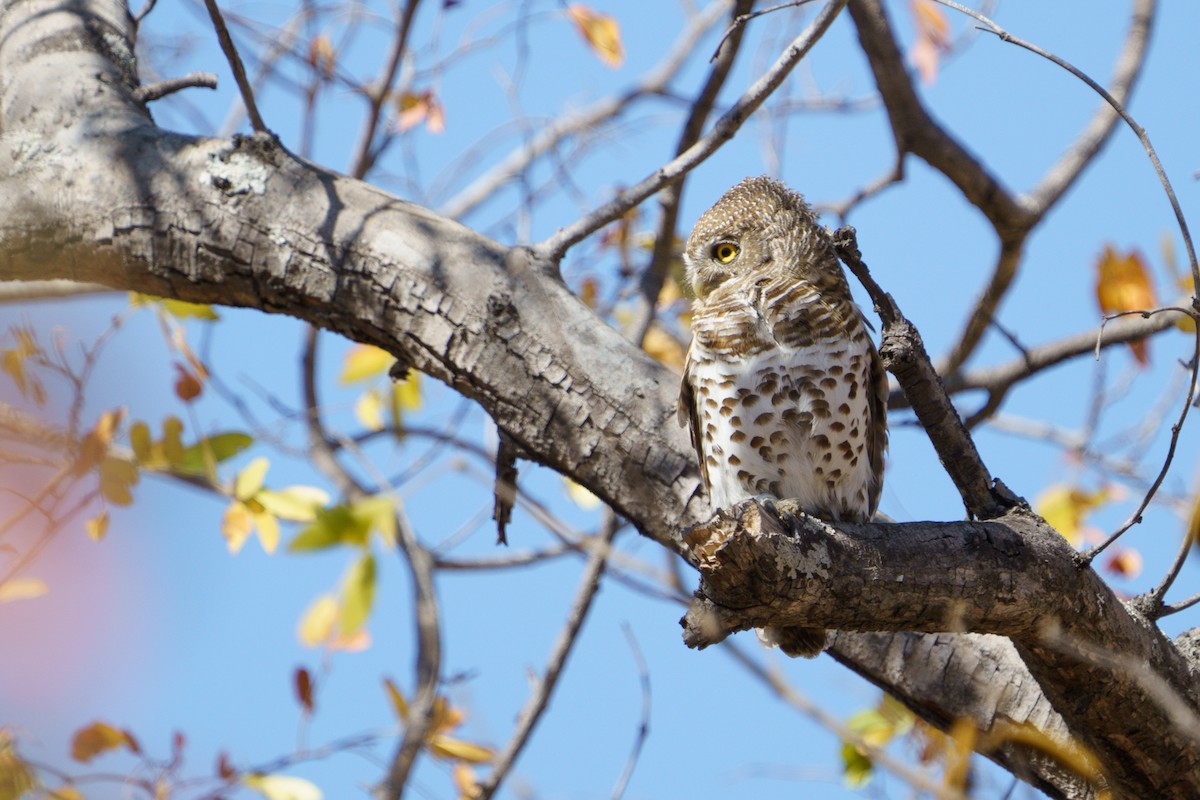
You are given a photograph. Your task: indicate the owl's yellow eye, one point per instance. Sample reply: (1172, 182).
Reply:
(725, 252)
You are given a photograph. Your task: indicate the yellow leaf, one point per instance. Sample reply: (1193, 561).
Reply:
(236, 525)
(664, 348)
(22, 589)
(117, 478)
(963, 734)
(295, 503)
(408, 391)
(399, 706)
(601, 32)
(1064, 508)
(13, 362)
(1123, 284)
(139, 440)
(442, 746)
(250, 480)
(364, 361)
(180, 309)
(268, 531)
(97, 526)
(282, 787)
(100, 737)
(368, 409)
(94, 445)
(64, 792)
(581, 496)
(316, 626)
(172, 442)
(16, 776)
(466, 781)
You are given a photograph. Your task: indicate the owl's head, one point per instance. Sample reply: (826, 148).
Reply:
(756, 226)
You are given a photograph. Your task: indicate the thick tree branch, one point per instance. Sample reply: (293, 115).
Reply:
(1013, 576)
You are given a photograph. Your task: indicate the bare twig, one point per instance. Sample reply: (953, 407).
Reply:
(774, 681)
(552, 249)
(26, 291)
(904, 355)
(532, 712)
(1136, 516)
(1143, 137)
(644, 727)
(365, 156)
(654, 83)
(655, 274)
(235, 64)
(156, 91)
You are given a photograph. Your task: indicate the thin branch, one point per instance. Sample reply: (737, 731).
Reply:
(1083, 151)
(1176, 429)
(556, 246)
(235, 64)
(150, 92)
(774, 681)
(644, 727)
(589, 583)
(26, 291)
(364, 157)
(519, 160)
(1143, 137)
(655, 274)
(904, 355)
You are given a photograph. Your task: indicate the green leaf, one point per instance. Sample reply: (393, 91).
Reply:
(333, 526)
(358, 593)
(220, 447)
(856, 767)
(249, 481)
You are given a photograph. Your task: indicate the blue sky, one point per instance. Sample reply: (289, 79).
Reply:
(159, 629)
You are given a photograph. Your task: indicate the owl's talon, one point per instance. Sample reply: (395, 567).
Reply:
(768, 501)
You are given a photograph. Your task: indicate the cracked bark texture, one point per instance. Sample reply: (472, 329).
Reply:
(92, 191)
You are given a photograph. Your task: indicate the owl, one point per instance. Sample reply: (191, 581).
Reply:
(783, 390)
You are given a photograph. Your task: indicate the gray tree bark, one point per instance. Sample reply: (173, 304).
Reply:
(91, 190)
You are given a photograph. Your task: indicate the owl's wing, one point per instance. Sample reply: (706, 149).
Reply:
(689, 411)
(877, 432)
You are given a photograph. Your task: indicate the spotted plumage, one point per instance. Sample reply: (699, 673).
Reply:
(783, 389)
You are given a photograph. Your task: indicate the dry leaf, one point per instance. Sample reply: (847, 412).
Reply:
(601, 32)
(1123, 284)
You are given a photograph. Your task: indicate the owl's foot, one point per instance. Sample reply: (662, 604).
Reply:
(795, 642)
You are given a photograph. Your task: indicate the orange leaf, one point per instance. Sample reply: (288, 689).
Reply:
(100, 737)
(601, 32)
(1123, 284)
(1125, 563)
(320, 55)
(416, 108)
(933, 38)
(187, 385)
